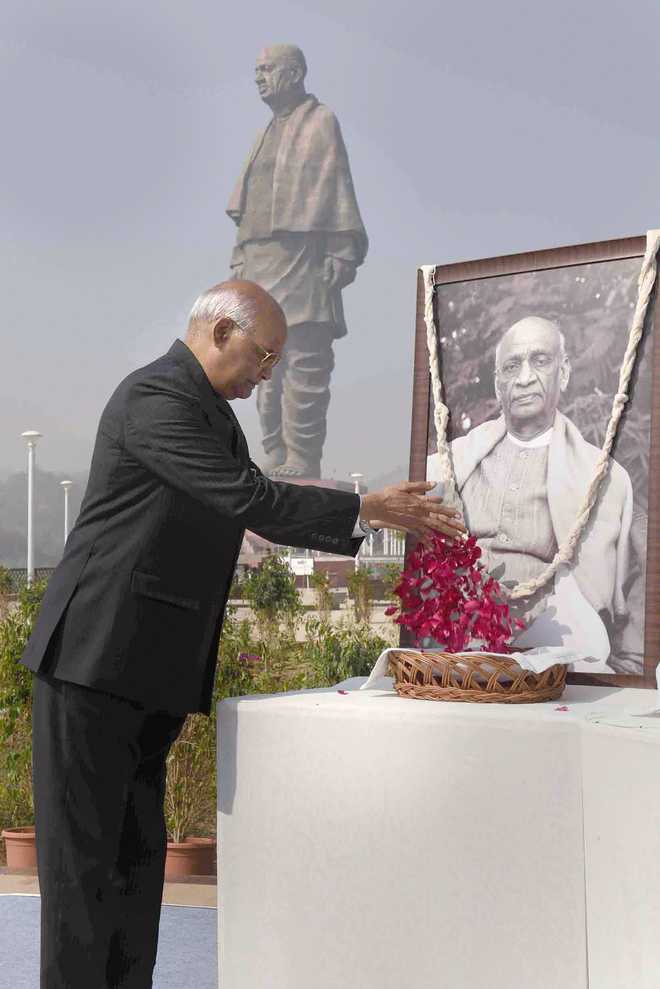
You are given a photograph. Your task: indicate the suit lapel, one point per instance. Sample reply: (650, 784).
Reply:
(239, 447)
(218, 416)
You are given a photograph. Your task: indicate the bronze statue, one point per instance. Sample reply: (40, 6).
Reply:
(301, 237)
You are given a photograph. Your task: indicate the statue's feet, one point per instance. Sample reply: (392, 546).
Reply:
(274, 459)
(295, 469)
(287, 470)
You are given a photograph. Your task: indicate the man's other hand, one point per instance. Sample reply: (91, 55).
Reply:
(408, 507)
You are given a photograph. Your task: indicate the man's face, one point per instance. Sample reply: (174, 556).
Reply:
(530, 374)
(240, 360)
(274, 75)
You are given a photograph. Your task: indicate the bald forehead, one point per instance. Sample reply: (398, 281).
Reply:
(270, 330)
(531, 333)
(269, 325)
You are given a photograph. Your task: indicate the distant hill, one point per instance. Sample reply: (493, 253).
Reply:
(48, 516)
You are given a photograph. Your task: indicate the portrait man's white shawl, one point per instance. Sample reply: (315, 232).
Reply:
(601, 562)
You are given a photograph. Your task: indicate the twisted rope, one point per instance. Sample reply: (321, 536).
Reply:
(441, 412)
(564, 554)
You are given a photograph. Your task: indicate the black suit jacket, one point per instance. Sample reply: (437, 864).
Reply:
(138, 599)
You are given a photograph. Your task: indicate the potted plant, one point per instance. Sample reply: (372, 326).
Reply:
(189, 799)
(190, 792)
(16, 803)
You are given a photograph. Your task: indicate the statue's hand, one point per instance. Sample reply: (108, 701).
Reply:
(338, 273)
(237, 272)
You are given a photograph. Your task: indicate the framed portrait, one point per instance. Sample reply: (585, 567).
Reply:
(529, 351)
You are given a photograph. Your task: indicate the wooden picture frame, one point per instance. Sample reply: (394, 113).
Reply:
(474, 275)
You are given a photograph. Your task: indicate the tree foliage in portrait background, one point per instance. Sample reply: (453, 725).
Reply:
(593, 305)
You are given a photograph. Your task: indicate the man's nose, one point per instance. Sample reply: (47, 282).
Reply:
(526, 373)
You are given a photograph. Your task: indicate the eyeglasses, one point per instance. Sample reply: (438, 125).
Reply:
(268, 359)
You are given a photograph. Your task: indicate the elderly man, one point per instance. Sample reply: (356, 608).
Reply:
(301, 237)
(522, 478)
(126, 640)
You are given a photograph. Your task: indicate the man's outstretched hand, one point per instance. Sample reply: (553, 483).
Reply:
(406, 506)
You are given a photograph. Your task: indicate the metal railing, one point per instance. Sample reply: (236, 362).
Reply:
(18, 576)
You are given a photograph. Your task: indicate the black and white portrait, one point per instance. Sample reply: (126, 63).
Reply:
(529, 366)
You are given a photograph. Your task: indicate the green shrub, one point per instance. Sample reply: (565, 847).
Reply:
(390, 576)
(335, 653)
(273, 596)
(236, 652)
(271, 590)
(5, 581)
(236, 589)
(360, 591)
(16, 804)
(320, 581)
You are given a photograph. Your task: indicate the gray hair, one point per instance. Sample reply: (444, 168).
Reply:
(223, 301)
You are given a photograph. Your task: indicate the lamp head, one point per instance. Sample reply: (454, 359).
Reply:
(31, 435)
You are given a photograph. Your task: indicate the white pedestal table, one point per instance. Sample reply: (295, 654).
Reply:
(376, 842)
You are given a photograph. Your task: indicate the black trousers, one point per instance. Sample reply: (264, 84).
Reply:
(98, 764)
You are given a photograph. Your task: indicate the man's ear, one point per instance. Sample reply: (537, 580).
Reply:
(222, 331)
(295, 74)
(564, 375)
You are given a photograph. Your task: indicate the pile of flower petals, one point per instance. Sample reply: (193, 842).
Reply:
(447, 595)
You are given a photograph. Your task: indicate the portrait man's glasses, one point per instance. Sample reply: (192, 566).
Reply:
(268, 359)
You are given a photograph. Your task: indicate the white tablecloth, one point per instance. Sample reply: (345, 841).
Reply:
(367, 841)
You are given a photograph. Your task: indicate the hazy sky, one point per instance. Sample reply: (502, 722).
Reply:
(473, 129)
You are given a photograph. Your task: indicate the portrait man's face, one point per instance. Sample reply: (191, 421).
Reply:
(530, 374)
(274, 75)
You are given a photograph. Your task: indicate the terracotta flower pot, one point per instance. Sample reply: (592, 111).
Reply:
(191, 857)
(21, 848)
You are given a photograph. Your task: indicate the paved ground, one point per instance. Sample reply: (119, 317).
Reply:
(194, 891)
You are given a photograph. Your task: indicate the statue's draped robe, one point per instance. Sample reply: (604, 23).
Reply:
(294, 205)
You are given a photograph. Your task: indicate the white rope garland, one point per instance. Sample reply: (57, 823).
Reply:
(564, 554)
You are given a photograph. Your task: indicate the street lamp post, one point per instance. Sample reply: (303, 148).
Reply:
(66, 485)
(356, 477)
(31, 436)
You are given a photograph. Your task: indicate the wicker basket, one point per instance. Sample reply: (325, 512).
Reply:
(478, 676)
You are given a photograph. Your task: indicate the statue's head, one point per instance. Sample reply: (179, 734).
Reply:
(531, 371)
(280, 73)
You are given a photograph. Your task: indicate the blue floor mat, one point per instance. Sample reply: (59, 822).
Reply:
(187, 945)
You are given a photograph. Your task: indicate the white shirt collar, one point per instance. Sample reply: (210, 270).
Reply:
(542, 440)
